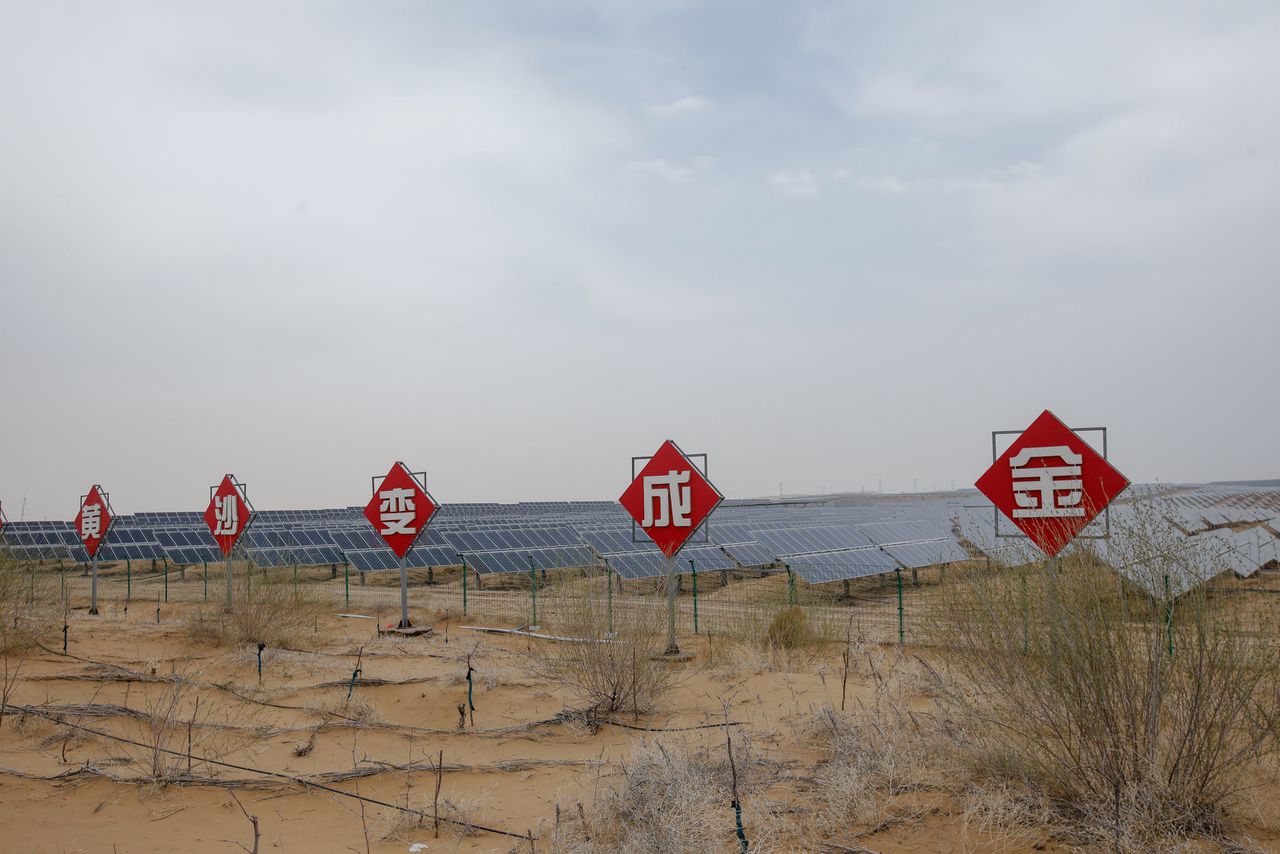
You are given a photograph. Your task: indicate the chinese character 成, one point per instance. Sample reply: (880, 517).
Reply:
(673, 497)
(1051, 491)
(396, 511)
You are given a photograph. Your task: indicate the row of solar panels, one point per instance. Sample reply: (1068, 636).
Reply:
(1174, 559)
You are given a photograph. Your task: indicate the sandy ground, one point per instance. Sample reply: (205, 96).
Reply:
(64, 790)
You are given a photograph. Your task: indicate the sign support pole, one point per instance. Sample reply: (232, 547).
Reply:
(228, 584)
(404, 595)
(672, 647)
(93, 596)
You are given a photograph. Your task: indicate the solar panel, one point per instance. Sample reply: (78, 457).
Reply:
(930, 553)
(811, 540)
(519, 560)
(751, 554)
(842, 565)
(639, 564)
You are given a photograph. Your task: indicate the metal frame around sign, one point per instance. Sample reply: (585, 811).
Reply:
(705, 524)
(419, 477)
(243, 488)
(1106, 511)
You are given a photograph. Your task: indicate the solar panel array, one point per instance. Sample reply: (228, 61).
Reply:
(822, 540)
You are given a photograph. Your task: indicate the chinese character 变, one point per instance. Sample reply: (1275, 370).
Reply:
(396, 511)
(227, 511)
(91, 522)
(673, 497)
(1047, 492)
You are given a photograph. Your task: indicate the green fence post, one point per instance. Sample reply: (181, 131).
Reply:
(62, 574)
(166, 581)
(346, 581)
(464, 586)
(533, 591)
(205, 574)
(295, 581)
(693, 568)
(902, 631)
(1168, 613)
(791, 586)
(128, 580)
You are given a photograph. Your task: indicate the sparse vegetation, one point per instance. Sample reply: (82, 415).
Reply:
(270, 612)
(670, 797)
(617, 671)
(1135, 717)
(790, 629)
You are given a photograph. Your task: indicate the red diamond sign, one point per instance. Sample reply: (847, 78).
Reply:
(670, 498)
(228, 514)
(94, 520)
(1051, 483)
(400, 509)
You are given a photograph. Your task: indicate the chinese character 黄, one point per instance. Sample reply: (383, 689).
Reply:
(1050, 491)
(91, 522)
(673, 497)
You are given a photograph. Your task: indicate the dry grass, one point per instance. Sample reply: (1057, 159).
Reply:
(268, 612)
(877, 753)
(669, 797)
(29, 611)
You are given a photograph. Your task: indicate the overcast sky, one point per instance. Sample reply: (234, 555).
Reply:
(832, 245)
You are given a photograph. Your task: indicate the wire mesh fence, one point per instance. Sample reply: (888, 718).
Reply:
(888, 608)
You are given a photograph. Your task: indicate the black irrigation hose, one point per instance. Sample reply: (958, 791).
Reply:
(296, 780)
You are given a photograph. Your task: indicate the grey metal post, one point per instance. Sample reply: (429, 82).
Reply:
(672, 647)
(228, 583)
(404, 595)
(93, 597)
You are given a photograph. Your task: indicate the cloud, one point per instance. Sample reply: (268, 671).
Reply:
(676, 173)
(794, 183)
(881, 184)
(686, 104)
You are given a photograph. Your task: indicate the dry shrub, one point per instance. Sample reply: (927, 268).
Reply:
(178, 730)
(267, 612)
(670, 797)
(790, 629)
(622, 671)
(29, 610)
(1138, 718)
(30, 605)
